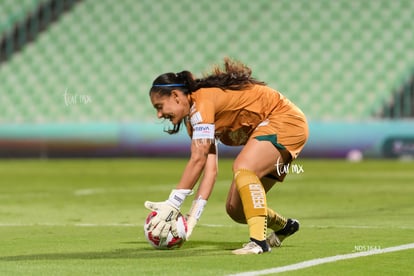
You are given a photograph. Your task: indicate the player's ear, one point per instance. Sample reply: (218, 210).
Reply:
(175, 95)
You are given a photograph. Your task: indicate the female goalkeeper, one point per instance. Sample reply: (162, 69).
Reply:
(230, 106)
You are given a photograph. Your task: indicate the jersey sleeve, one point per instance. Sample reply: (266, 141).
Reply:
(202, 119)
(202, 111)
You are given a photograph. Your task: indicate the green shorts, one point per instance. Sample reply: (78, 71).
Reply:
(272, 138)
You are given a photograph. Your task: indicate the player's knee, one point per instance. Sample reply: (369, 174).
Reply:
(240, 165)
(235, 213)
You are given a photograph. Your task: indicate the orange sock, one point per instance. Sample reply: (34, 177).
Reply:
(257, 228)
(275, 221)
(253, 198)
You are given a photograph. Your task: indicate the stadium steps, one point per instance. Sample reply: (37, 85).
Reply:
(336, 60)
(401, 103)
(26, 20)
(12, 11)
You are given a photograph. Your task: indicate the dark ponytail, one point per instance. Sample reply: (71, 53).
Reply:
(234, 76)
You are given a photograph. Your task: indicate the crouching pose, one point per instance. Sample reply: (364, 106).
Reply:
(230, 106)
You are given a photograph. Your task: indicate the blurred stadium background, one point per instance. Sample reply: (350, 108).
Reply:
(75, 75)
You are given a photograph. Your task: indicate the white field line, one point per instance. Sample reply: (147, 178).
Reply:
(99, 225)
(73, 225)
(325, 260)
(286, 268)
(357, 227)
(230, 225)
(87, 192)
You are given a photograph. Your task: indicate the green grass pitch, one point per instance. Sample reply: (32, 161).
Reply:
(85, 217)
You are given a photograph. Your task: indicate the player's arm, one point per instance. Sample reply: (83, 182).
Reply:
(209, 174)
(204, 190)
(202, 144)
(167, 212)
(195, 165)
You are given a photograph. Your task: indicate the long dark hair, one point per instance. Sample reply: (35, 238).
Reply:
(233, 76)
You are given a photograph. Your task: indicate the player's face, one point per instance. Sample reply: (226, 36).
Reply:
(174, 107)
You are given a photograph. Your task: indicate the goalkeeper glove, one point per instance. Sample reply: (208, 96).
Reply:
(167, 212)
(194, 214)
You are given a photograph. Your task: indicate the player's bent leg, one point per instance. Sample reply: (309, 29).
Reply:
(276, 238)
(253, 198)
(268, 181)
(234, 207)
(276, 222)
(257, 159)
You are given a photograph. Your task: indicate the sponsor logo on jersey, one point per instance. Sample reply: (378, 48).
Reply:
(203, 131)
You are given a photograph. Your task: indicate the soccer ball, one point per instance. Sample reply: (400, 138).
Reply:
(171, 242)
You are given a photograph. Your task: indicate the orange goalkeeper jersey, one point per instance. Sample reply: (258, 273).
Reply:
(240, 115)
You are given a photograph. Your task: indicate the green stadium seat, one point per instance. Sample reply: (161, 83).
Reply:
(336, 59)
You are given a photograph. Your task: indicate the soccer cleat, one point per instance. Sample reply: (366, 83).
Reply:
(250, 248)
(275, 239)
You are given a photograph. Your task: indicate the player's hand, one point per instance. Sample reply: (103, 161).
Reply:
(194, 215)
(167, 213)
(164, 221)
(191, 223)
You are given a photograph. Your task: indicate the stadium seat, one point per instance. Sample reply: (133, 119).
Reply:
(336, 59)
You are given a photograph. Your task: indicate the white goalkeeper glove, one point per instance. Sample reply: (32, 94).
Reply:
(167, 212)
(194, 214)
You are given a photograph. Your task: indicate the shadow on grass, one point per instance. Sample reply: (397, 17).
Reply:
(143, 250)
